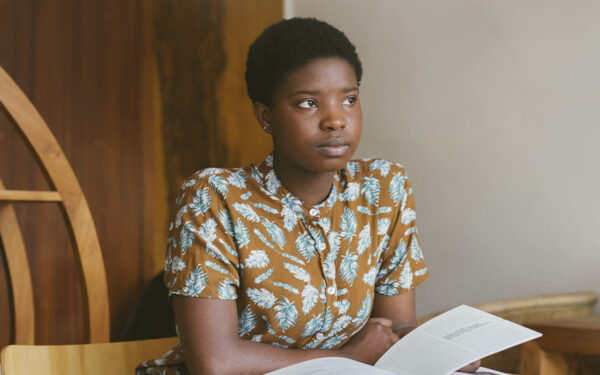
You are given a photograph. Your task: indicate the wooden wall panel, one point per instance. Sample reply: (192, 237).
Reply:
(207, 117)
(139, 94)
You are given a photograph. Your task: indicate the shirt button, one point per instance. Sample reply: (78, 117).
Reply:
(320, 336)
(313, 212)
(322, 246)
(331, 290)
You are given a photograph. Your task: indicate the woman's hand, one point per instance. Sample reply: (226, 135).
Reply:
(374, 339)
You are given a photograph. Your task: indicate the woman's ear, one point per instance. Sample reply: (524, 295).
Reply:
(263, 116)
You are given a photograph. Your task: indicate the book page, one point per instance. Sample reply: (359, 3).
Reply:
(331, 366)
(452, 340)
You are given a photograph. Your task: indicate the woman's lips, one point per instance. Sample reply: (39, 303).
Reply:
(334, 150)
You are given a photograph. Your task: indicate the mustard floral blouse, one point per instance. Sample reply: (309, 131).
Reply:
(302, 277)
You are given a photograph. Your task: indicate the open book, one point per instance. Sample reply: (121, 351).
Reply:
(439, 346)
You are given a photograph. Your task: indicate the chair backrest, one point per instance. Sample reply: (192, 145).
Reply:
(113, 358)
(78, 220)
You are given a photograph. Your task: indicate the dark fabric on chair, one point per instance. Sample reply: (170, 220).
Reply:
(153, 316)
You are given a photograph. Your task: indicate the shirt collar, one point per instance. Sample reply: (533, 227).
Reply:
(265, 176)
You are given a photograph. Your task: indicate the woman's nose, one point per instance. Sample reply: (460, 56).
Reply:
(333, 119)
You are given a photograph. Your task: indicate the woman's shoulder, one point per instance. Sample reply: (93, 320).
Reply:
(216, 181)
(217, 178)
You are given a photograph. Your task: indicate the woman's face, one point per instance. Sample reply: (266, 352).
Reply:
(315, 117)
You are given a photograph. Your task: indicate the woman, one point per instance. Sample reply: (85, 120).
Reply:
(307, 254)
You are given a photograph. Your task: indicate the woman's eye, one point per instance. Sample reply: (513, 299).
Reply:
(309, 103)
(350, 100)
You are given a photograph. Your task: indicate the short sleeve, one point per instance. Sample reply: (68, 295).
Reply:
(402, 266)
(201, 259)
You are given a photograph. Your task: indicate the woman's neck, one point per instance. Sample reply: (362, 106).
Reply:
(310, 187)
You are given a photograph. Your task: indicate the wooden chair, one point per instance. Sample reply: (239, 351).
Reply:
(531, 310)
(99, 357)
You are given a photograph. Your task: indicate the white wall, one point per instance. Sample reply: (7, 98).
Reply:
(494, 108)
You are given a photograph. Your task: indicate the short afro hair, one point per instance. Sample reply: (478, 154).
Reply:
(287, 46)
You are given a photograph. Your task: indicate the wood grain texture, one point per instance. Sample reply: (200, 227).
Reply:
(17, 267)
(78, 62)
(207, 118)
(89, 359)
(139, 94)
(77, 217)
(29, 196)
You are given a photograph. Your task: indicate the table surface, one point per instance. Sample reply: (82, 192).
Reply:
(570, 336)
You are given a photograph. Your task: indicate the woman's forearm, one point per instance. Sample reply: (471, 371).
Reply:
(248, 357)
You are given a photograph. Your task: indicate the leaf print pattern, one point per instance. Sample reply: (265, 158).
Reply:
(369, 277)
(408, 216)
(292, 258)
(329, 264)
(272, 182)
(312, 326)
(348, 224)
(247, 212)
(225, 221)
(236, 230)
(342, 306)
(263, 238)
(305, 246)
(219, 184)
(290, 219)
(208, 230)
(262, 297)
(238, 180)
(256, 259)
(246, 321)
(286, 315)
(298, 272)
(177, 264)
(353, 168)
(310, 296)
(370, 188)
(382, 165)
(364, 310)
(265, 208)
(349, 267)
(242, 238)
(225, 290)
(229, 249)
(382, 226)
(406, 277)
(195, 282)
(201, 202)
(397, 191)
(415, 249)
(364, 239)
(264, 276)
(287, 287)
(216, 267)
(275, 232)
(182, 211)
(341, 323)
(187, 236)
(351, 193)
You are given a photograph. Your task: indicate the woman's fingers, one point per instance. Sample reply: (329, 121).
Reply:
(471, 367)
